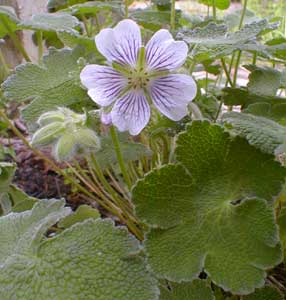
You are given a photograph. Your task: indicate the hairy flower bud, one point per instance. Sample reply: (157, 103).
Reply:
(48, 134)
(50, 117)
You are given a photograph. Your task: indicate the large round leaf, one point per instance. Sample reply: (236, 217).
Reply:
(209, 211)
(92, 260)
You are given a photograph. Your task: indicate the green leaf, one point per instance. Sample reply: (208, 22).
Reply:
(208, 211)
(282, 227)
(50, 22)
(197, 290)
(92, 8)
(131, 151)
(72, 39)
(12, 198)
(7, 171)
(265, 293)
(263, 81)
(22, 232)
(275, 112)
(152, 19)
(82, 213)
(214, 41)
(241, 96)
(8, 18)
(220, 4)
(53, 84)
(232, 19)
(54, 5)
(20, 200)
(262, 133)
(90, 260)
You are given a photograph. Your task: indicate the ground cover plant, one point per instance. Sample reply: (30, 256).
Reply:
(142, 155)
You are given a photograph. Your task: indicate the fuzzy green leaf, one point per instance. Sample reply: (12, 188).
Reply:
(209, 212)
(72, 38)
(82, 213)
(92, 8)
(54, 84)
(90, 260)
(264, 81)
(265, 134)
(214, 41)
(7, 171)
(241, 96)
(198, 289)
(50, 22)
(282, 227)
(131, 151)
(21, 232)
(152, 19)
(8, 19)
(276, 112)
(54, 5)
(12, 198)
(265, 293)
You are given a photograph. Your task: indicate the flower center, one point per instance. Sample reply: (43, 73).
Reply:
(138, 79)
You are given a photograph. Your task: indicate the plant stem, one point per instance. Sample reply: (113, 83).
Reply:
(126, 2)
(214, 9)
(85, 23)
(3, 62)
(120, 159)
(173, 15)
(40, 46)
(226, 72)
(236, 68)
(254, 58)
(242, 14)
(16, 40)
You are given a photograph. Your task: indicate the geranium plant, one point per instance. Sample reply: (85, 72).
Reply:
(175, 162)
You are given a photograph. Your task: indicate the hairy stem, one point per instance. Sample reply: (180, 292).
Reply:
(214, 9)
(40, 46)
(119, 156)
(4, 64)
(173, 15)
(16, 40)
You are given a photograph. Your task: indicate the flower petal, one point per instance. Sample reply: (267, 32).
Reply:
(172, 93)
(163, 53)
(104, 84)
(120, 44)
(131, 112)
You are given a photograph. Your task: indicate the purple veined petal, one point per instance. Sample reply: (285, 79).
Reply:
(104, 84)
(172, 93)
(163, 53)
(120, 44)
(131, 112)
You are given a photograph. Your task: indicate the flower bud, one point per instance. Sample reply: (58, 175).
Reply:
(50, 117)
(65, 147)
(76, 142)
(87, 139)
(48, 134)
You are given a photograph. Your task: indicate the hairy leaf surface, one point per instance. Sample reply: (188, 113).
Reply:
(265, 134)
(265, 293)
(50, 22)
(54, 84)
(214, 40)
(198, 289)
(209, 211)
(8, 20)
(90, 260)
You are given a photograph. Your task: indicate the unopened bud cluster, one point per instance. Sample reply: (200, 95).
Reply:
(67, 132)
